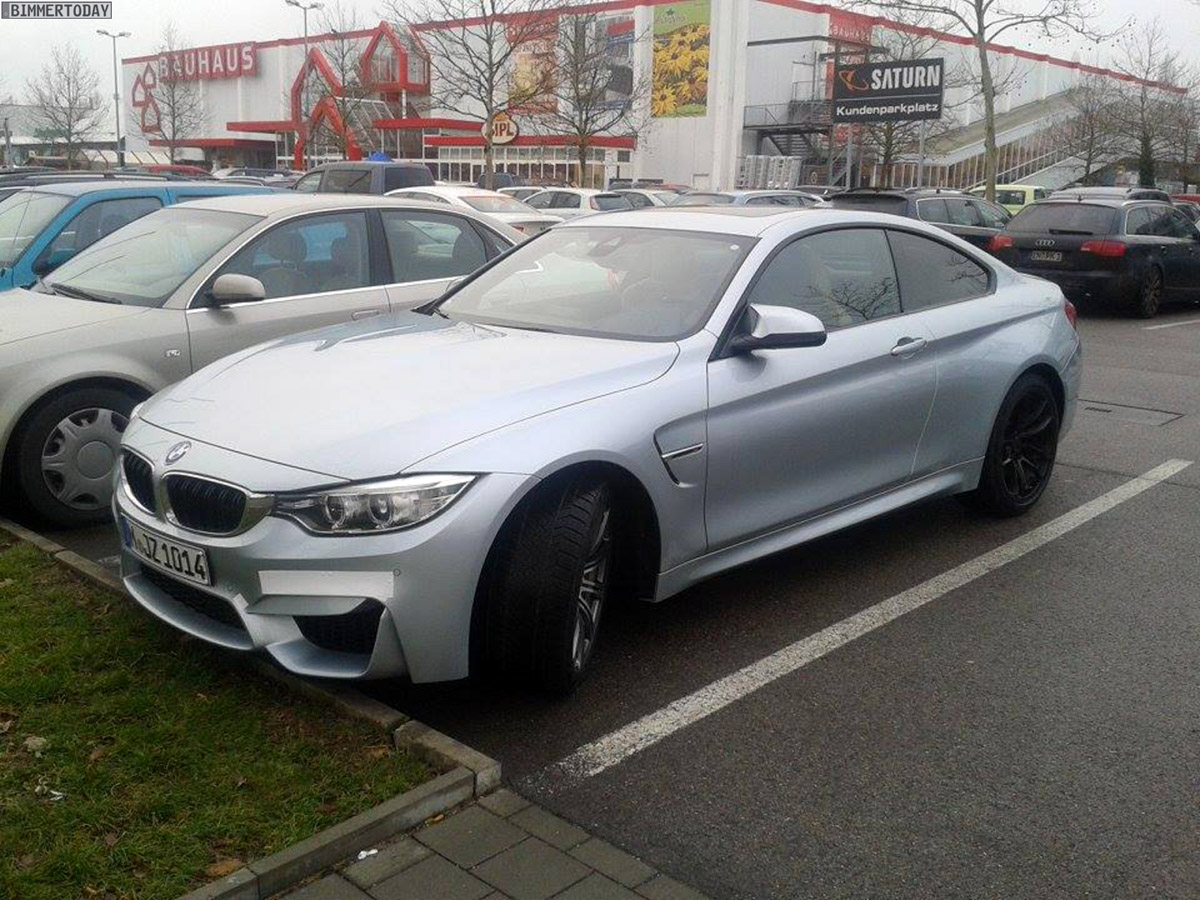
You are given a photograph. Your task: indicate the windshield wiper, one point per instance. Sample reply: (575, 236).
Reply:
(80, 294)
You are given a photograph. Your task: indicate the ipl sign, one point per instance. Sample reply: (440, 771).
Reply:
(504, 128)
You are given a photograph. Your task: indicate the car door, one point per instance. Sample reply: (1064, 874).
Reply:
(1174, 226)
(428, 251)
(1152, 233)
(796, 432)
(316, 270)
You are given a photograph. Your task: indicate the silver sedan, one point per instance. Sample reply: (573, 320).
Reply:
(625, 404)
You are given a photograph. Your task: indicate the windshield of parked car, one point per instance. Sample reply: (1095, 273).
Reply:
(1065, 218)
(23, 215)
(143, 263)
(501, 204)
(632, 283)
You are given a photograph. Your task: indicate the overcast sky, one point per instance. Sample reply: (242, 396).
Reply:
(24, 45)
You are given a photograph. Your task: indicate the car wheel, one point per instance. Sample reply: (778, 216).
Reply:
(1021, 451)
(1149, 296)
(65, 454)
(548, 587)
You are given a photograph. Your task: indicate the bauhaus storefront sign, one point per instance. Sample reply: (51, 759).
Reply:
(902, 91)
(204, 63)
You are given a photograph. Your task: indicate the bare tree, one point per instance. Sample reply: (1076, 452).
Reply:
(66, 99)
(594, 92)
(473, 47)
(1184, 123)
(986, 21)
(1092, 124)
(345, 56)
(181, 111)
(1144, 113)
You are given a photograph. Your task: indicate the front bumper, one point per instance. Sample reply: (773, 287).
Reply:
(359, 606)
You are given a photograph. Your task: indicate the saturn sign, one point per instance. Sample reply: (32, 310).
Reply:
(900, 91)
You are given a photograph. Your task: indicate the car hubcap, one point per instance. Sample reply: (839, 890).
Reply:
(79, 455)
(1028, 449)
(1153, 289)
(592, 589)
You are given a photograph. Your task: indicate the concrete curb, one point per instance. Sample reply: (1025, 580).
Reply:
(465, 773)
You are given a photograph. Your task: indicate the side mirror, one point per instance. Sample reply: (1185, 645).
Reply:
(776, 327)
(232, 288)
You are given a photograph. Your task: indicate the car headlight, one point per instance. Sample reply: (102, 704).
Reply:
(373, 508)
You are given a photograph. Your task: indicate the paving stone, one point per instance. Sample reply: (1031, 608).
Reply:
(470, 836)
(596, 887)
(664, 888)
(503, 802)
(431, 879)
(549, 827)
(616, 864)
(391, 859)
(496, 895)
(331, 887)
(532, 870)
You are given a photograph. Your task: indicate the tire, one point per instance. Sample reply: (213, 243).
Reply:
(64, 453)
(1021, 450)
(547, 588)
(1149, 295)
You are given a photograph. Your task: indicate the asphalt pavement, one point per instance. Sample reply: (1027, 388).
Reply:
(1028, 732)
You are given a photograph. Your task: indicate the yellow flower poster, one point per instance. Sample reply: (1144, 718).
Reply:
(681, 39)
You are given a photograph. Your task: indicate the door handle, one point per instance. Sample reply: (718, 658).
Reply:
(907, 346)
(364, 314)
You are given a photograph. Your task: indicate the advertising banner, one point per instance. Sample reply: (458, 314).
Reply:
(902, 91)
(681, 43)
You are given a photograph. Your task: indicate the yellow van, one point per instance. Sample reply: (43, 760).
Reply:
(1014, 197)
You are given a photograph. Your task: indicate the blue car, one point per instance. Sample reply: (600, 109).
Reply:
(42, 227)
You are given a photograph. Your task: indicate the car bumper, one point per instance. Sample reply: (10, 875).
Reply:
(1101, 286)
(358, 606)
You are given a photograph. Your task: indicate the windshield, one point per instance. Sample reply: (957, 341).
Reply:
(633, 283)
(23, 215)
(144, 262)
(1079, 218)
(489, 204)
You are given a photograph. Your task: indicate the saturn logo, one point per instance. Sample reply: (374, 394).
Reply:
(853, 80)
(176, 453)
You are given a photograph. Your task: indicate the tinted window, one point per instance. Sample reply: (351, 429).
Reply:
(309, 183)
(885, 203)
(932, 211)
(932, 273)
(423, 246)
(1067, 218)
(396, 177)
(97, 221)
(348, 181)
(842, 277)
(308, 256)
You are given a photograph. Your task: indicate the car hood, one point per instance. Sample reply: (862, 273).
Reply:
(26, 314)
(367, 400)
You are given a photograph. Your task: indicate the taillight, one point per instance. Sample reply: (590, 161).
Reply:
(1071, 312)
(999, 242)
(1103, 248)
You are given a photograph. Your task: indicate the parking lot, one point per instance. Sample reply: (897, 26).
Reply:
(946, 718)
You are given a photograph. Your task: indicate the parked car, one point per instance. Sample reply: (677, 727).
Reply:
(506, 209)
(365, 177)
(1110, 193)
(1013, 197)
(1132, 253)
(521, 193)
(43, 227)
(1190, 208)
(640, 198)
(571, 203)
(629, 403)
(252, 172)
(178, 169)
(748, 198)
(967, 217)
(185, 286)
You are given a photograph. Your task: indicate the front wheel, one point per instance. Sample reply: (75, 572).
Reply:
(1021, 450)
(548, 586)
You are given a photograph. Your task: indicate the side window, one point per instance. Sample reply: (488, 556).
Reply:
(563, 200)
(347, 181)
(842, 277)
(1176, 225)
(932, 273)
(639, 201)
(991, 216)
(309, 183)
(1137, 221)
(425, 245)
(540, 201)
(97, 221)
(308, 256)
(1039, 194)
(933, 211)
(962, 212)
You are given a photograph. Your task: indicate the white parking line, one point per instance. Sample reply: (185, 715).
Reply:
(1171, 324)
(606, 752)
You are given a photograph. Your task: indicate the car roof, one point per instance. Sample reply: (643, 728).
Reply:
(77, 188)
(447, 190)
(748, 221)
(1110, 201)
(278, 203)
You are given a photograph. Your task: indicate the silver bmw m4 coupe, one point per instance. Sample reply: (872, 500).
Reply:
(624, 405)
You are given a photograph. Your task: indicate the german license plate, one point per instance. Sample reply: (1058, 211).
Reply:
(190, 563)
(1046, 256)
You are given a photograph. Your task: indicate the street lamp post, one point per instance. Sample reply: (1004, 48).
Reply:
(304, 8)
(116, 90)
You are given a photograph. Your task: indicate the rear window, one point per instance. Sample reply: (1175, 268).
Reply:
(347, 181)
(396, 177)
(885, 203)
(1064, 218)
(1009, 198)
(610, 201)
